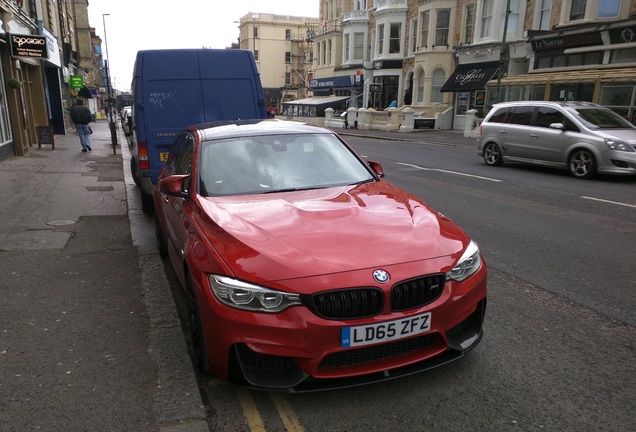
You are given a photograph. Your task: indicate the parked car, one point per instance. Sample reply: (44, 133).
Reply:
(582, 137)
(303, 268)
(126, 114)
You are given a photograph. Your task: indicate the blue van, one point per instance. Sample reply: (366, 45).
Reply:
(176, 88)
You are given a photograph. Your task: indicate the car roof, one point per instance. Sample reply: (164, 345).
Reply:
(234, 128)
(564, 104)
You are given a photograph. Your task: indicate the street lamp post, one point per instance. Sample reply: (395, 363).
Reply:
(111, 114)
(502, 52)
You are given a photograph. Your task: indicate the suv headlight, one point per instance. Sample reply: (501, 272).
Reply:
(242, 295)
(467, 265)
(615, 144)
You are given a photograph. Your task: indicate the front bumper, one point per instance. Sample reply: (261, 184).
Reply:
(297, 351)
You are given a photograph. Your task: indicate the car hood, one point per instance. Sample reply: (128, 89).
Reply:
(627, 135)
(289, 235)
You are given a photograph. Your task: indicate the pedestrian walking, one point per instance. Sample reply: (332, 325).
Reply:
(82, 116)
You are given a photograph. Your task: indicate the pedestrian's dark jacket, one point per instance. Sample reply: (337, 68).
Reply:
(81, 114)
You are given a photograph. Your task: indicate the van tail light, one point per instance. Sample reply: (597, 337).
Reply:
(142, 152)
(479, 129)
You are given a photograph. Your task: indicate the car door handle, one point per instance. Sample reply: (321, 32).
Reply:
(503, 131)
(534, 135)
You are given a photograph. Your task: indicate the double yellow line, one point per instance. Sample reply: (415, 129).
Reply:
(254, 420)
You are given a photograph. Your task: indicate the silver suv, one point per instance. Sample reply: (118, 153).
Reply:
(582, 137)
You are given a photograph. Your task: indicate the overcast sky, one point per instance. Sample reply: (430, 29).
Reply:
(134, 25)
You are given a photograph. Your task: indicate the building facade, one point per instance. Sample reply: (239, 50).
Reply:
(283, 52)
(465, 55)
(43, 44)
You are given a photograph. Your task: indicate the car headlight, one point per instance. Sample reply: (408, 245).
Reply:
(467, 265)
(242, 295)
(615, 144)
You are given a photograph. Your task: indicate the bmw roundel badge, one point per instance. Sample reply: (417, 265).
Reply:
(381, 276)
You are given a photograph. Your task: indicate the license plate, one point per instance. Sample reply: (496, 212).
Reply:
(385, 331)
(163, 156)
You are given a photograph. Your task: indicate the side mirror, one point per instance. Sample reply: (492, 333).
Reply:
(559, 126)
(377, 168)
(174, 185)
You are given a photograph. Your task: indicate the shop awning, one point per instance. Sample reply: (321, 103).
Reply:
(585, 75)
(470, 76)
(318, 100)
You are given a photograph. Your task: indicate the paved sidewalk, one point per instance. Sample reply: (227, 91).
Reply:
(89, 335)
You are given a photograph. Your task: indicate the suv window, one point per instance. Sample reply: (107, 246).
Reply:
(521, 115)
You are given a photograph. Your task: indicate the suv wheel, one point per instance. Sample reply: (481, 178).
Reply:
(492, 154)
(582, 164)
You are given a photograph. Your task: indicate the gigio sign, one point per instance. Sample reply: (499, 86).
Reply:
(28, 46)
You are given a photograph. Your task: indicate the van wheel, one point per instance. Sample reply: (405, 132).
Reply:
(199, 350)
(162, 245)
(492, 154)
(582, 164)
(147, 203)
(133, 171)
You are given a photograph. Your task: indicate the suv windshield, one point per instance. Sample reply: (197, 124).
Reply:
(596, 118)
(277, 163)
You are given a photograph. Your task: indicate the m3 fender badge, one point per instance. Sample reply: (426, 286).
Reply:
(381, 276)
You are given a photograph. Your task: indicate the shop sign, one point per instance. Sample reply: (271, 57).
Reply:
(567, 41)
(77, 82)
(28, 46)
(623, 35)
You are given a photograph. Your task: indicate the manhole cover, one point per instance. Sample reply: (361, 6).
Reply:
(60, 222)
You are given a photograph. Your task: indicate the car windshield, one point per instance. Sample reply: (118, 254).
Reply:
(277, 163)
(596, 118)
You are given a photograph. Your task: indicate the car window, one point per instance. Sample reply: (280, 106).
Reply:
(274, 163)
(548, 115)
(184, 158)
(599, 118)
(521, 115)
(499, 116)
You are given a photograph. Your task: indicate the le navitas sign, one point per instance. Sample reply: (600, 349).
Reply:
(28, 46)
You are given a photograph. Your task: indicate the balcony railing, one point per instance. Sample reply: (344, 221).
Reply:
(390, 4)
(356, 15)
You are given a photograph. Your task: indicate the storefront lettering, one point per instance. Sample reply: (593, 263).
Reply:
(24, 40)
(472, 75)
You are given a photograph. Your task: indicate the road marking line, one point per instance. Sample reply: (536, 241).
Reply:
(450, 172)
(609, 202)
(286, 413)
(252, 416)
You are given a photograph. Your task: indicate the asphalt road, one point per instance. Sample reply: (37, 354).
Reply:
(559, 352)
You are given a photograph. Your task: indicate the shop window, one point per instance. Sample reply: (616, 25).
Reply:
(617, 95)
(623, 56)
(461, 105)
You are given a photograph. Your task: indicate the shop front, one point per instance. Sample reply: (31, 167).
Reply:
(340, 86)
(468, 82)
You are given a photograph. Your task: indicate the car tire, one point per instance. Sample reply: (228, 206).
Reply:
(492, 154)
(133, 171)
(162, 245)
(199, 350)
(581, 164)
